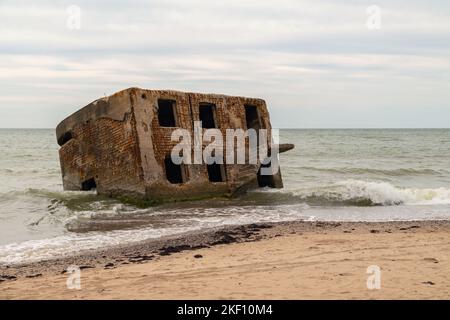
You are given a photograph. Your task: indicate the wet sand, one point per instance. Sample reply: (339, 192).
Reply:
(293, 260)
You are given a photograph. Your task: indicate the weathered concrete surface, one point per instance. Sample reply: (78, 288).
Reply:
(117, 142)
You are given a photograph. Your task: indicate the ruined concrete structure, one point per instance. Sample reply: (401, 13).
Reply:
(121, 145)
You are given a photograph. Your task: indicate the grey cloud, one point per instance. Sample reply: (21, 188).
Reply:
(313, 61)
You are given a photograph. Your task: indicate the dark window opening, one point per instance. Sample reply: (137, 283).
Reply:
(167, 113)
(207, 114)
(252, 117)
(265, 180)
(65, 138)
(174, 172)
(215, 172)
(88, 185)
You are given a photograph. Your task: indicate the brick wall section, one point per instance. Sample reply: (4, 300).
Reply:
(230, 114)
(106, 150)
(118, 141)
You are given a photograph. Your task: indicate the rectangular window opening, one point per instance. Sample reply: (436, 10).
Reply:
(207, 114)
(88, 185)
(215, 172)
(265, 180)
(167, 115)
(66, 137)
(252, 117)
(174, 172)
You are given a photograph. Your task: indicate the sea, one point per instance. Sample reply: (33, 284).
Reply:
(331, 175)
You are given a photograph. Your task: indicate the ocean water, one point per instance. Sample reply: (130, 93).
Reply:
(331, 175)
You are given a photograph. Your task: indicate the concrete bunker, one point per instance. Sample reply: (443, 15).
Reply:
(121, 145)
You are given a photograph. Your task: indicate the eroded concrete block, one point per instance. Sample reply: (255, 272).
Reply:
(119, 145)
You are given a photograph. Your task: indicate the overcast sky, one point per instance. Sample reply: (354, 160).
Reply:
(315, 62)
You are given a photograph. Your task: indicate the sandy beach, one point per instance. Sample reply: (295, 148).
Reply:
(295, 260)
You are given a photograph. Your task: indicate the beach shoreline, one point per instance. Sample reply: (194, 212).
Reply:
(298, 260)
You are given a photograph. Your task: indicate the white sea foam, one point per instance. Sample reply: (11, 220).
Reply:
(180, 220)
(378, 193)
(73, 243)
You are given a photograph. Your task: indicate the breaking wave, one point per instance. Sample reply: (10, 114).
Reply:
(366, 193)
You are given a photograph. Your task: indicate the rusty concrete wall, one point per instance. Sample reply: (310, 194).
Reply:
(118, 141)
(156, 144)
(104, 146)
